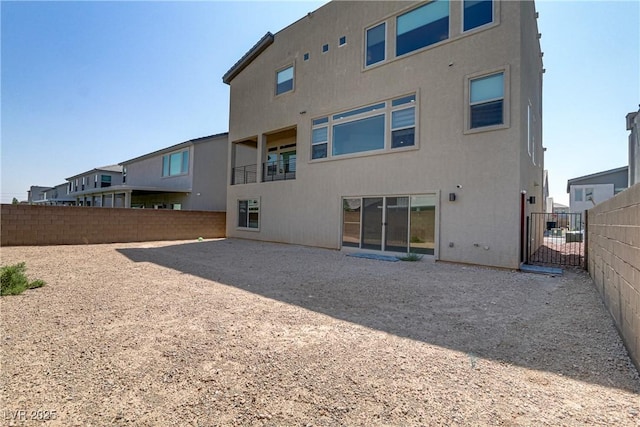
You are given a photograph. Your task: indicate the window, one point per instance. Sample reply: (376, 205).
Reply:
(319, 138)
(175, 163)
(376, 37)
(343, 40)
(588, 194)
(306, 56)
(422, 27)
(486, 101)
(359, 135)
(249, 213)
(325, 48)
(403, 122)
(365, 129)
(577, 195)
(95, 181)
(477, 13)
(124, 174)
(105, 181)
(284, 80)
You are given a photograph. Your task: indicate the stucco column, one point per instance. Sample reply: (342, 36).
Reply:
(127, 199)
(262, 142)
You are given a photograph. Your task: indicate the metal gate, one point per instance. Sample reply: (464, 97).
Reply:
(556, 239)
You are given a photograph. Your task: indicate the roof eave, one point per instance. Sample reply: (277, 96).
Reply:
(248, 57)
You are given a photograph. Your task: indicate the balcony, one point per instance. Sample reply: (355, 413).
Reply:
(282, 169)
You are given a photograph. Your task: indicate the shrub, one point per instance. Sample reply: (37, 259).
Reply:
(411, 257)
(13, 280)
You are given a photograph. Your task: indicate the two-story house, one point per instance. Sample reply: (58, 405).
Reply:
(587, 191)
(190, 175)
(92, 188)
(391, 127)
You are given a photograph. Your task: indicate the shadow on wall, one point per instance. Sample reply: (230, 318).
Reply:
(537, 322)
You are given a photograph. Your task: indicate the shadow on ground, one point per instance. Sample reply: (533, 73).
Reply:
(553, 324)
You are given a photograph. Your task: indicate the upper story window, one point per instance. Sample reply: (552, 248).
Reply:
(477, 13)
(486, 101)
(105, 181)
(284, 80)
(403, 121)
(422, 27)
(365, 129)
(376, 44)
(342, 41)
(578, 195)
(175, 163)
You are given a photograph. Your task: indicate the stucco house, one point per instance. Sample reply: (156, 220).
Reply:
(52, 196)
(93, 187)
(391, 127)
(191, 175)
(587, 191)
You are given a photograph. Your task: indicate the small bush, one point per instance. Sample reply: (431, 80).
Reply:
(411, 257)
(13, 280)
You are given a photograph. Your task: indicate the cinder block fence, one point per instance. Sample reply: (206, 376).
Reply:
(614, 262)
(26, 225)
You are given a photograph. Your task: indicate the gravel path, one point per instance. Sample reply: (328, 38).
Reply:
(233, 332)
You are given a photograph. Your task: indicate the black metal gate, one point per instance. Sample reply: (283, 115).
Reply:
(556, 239)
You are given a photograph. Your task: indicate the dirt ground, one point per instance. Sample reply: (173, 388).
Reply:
(233, 332)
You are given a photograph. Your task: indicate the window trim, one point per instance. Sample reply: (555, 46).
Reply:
(328, 121)
(506, 100)
(422, 48)
(385, 59)
(293, 79)
(494, 18)
(182, 172)
(247, 228)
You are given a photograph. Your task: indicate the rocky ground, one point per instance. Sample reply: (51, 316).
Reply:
(232, 332)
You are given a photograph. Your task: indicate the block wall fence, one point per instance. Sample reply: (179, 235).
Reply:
(30, 225)
(614, 262)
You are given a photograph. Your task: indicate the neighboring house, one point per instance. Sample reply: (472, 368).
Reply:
(392, 127)
(93, 187)
(54, 196)
(587, 191)
(191, 175)
(35, 194)
(633, 125)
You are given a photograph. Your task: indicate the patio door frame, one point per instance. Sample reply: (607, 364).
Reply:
(384, 222)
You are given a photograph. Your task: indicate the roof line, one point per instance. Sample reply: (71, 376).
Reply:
(594, 175)
(246, 59)
(175, 146)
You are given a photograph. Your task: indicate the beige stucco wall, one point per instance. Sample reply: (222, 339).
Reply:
(614, 262)
(487, 164)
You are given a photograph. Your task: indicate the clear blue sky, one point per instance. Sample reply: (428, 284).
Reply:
(86, 84)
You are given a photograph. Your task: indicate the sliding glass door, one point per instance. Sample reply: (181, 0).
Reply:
(395, 224)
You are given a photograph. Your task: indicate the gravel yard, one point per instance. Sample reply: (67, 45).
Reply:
(233, 332)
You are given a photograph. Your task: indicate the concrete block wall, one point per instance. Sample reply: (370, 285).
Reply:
(614, 262)
(27, 225)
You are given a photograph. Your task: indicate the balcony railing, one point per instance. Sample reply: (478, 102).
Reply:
(281, 170)
(244, 174)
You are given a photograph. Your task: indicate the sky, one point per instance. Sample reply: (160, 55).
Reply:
(87, 84)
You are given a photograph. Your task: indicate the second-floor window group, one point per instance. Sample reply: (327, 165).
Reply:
(365, 129)
(422, 27)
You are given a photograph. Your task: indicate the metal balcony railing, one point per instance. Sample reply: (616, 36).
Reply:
(244, 174)
(281, 170)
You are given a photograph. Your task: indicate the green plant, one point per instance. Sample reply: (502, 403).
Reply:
(416, 239)
(13, 281)
(411, 256)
